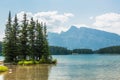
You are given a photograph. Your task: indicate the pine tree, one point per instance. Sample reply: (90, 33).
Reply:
(39, 40)
(31, 31)
(14, 35)
(26, 40)
(23, 38)
(46, 51)
(7, 43)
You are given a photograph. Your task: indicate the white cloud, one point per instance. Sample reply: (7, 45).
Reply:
(59, 29)
(108, 22)
(54, 20)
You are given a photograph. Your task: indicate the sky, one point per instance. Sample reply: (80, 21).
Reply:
(60, 15)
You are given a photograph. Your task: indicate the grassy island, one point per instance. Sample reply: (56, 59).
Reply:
(3, 68)
(31, 62)
(26, 42)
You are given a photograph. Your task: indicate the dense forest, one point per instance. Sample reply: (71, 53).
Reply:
(25, 40)
(64, 51)
(55, 50)
(82, 51)
(110, 50)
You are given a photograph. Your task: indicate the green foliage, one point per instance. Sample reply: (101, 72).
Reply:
(24, 62)
(20, 62)
(54, 61)
(54, 50)
(42, 60)
(64, 51)
(3, 68)
(36, 62)
(110, 50)
(82, 51)
(14, 38)
(31, 36)
(23, 37)
(49, 61)
(26, 41)
(7, 43)
(28, 62)
(39, 40)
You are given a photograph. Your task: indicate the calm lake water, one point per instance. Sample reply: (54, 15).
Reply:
(69, 67)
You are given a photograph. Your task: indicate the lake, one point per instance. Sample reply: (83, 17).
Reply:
(69, 67)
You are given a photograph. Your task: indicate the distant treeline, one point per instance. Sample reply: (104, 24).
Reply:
(55, 50)
(112, 50)
(82, 51)
(64, 51)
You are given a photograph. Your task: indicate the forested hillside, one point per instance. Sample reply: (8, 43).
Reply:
(55, 50)
(109, 50)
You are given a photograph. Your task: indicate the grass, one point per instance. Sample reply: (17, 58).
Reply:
(42, 61)
(25, 62)
(3, 68)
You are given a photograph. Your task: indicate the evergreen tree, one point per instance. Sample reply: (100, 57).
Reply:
(14, 35)
(23, 38)
(39, 40)
(31, 35)
(7, 43)
(46, 51)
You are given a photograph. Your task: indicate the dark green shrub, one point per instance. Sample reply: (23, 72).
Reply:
(54, 61)
(36, 62)
(42, 60)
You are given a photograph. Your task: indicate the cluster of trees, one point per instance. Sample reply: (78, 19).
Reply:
(25, 40)
(55, 50)
(64, 51)
(110, 50)
(82, 51)
(59, 50)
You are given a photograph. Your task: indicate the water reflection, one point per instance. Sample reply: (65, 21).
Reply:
(36, 72)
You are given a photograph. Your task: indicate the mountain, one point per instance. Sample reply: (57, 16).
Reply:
(83, 38)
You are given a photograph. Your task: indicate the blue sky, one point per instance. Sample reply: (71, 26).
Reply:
(96, 14)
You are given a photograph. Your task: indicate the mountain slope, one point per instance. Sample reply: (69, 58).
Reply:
(83, 38)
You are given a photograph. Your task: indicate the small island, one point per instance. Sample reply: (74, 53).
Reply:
(25, 42)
